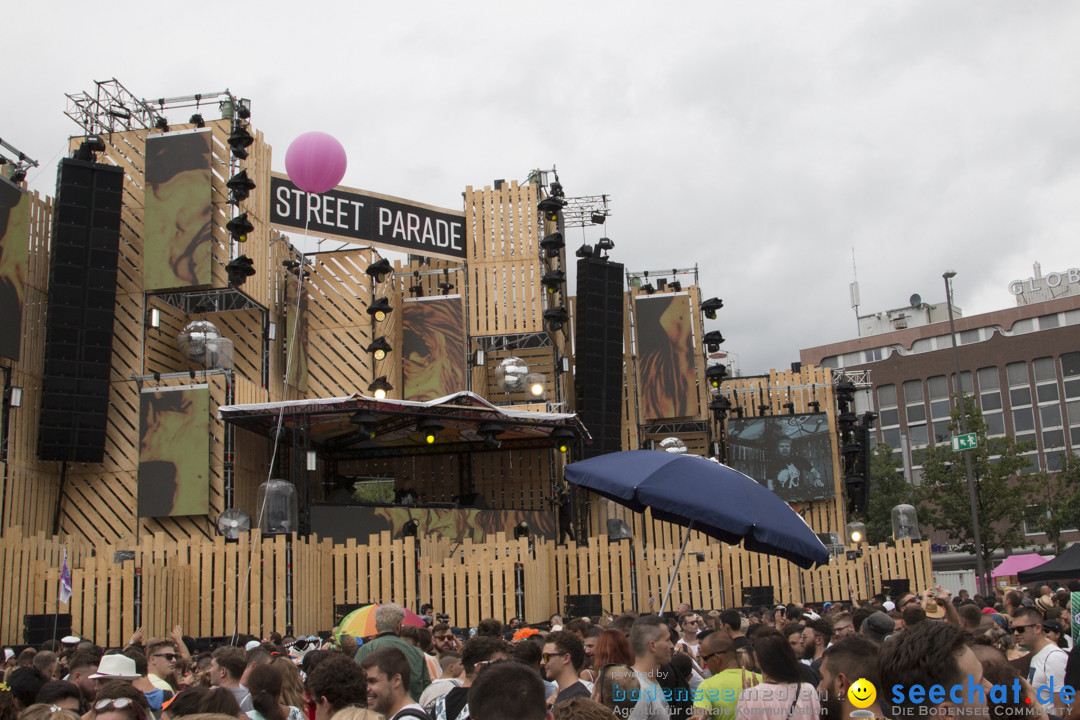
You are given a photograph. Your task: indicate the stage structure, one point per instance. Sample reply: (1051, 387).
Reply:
(431, 396)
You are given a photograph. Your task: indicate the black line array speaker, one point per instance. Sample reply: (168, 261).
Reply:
(598, 378)
(80, 312)
(38, 629)
(758, 596)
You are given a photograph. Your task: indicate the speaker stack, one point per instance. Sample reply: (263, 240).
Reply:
(80, 313)
(598, 380)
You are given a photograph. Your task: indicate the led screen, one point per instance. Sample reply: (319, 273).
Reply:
(789, 454)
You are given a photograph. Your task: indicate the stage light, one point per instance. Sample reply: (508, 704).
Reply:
(584, 251)
(239, 227)
(856, 532)
(815, 405)
(410, 529)
(162, 124)
(380, 309)
(675, 285)
(715, 375)
(553, 281)
(197, 119)
(378, 270)
(239, 270)
(429, 428)
(243, 109)
(534, 383)
(550, 208)
(380, 387)
(490, 432)
(790, 407)
(446, 287)
(648, 288)
(556, 317)
(599, 218)
(521, 530)
(713, 340)
(379, 348)
(366, 424)
(563, 436)
(239, 141)
(720, 406)
(552, 244)
(88, 147)
(18, 175)
(605, 244)
(240, 186)
(710, 306)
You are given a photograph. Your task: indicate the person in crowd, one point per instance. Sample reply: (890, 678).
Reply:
(387, 672)
(335, 683)
(161, 657)
(415, 636)
(292, 683)
(580, 709)
(508, 691)
(185, 702)
(589, 639)
(24, 683)
(842, 626)
(816, 637)
(618, 689)
(844, 662)
(717, 695)
(388, 619)
(46, 663)
(689, 625)
(264, 684)
(731, 623)
(227, 666)
(1048, 661)
(220, 701)
(449, 678)
(48, 711)
(931, 653)
(82, 665)
(478, 653)
(62, 694)
(651, 641)
(612, 646)
(781, 694)
(119, 700)
(563, 656)
(443, 639)
(878, 627)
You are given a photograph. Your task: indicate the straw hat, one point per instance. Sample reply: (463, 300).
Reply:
(934, 611)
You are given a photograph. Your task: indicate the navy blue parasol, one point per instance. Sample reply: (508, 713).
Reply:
(703, 495)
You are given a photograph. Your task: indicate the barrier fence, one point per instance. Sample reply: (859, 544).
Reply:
(295, 582)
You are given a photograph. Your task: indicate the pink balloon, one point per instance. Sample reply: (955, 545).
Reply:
(315, 162)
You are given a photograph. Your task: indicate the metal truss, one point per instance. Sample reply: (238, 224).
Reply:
(114, 108)
(520, 341)
(858, 378)
(208, 301)
(579, 211)
(674, 428)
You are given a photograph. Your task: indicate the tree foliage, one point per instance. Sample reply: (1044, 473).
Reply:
(888, 488)
(1058, 496)
(1002, 491)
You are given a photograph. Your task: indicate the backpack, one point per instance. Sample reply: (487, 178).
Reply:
(440, 710)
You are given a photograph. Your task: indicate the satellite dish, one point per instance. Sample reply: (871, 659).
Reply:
(916, 300)
(232, 522)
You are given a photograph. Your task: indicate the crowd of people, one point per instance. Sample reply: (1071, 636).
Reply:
(926, 654)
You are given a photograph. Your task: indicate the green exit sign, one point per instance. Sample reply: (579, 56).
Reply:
(964, 442)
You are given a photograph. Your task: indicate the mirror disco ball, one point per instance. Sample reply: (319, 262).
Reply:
(510, 374)
(673, 445)
(198, 339)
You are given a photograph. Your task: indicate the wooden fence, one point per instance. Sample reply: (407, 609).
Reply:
(294, 582)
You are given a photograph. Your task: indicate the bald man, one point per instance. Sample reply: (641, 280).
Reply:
(717, 696)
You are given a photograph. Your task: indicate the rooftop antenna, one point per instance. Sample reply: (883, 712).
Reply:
(853, 288)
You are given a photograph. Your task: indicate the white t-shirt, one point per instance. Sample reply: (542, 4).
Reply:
(1048, 665)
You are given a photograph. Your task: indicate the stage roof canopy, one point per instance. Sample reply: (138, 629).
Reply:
(333, 430)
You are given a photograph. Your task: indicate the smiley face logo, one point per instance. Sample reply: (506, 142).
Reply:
(862, 693)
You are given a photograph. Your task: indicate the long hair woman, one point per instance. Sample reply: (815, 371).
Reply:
(782, 695)
(264, 683)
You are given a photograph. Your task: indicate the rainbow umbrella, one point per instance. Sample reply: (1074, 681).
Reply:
(361, 622)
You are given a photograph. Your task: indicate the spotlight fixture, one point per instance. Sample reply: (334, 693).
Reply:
(239, 270)
(197, 120)
(239, 227)
(521, 530)
(553, 281)
(380, 387)
(563, 437)
(710, 306)
(715, 375)
(243, 109)
(816, 405)
(675, 285)
(534, 383)
(550, 207)
(240, 186)
(446, 287)
(556, 317)
(239, 141)
(18, 175)
(379, 309)
(605, 244)
(366, 424)
(430, 428)
(720, 406)
(162, 124)
(490, 432)
(88, 147)
(648, 288)
(552, 244)
(416, 290)
(790, 407)
(584, 251)
(713, 339)
(410, 529)
(379, 348)
(598, 218)
(855, 531)
(378, 270)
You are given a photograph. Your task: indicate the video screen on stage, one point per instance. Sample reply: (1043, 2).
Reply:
(789, 454)
(14, 251)
(176, 241)
(433, 347)
(667, 373)
(174, 451)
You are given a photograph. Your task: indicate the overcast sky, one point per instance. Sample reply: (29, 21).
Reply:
(764, 141)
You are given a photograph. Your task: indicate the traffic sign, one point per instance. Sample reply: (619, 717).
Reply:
(964, 442)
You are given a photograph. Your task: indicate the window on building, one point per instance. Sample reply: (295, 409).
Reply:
(888, 416)
(1021, 327)
(915, 412)
(1034, 520)
(1049, 322)
(1070, 381)
(937, 388)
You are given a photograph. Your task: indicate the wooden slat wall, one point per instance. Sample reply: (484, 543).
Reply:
(503, 254)
(204, 585)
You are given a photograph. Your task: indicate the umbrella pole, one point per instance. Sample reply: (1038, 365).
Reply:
(678, 562)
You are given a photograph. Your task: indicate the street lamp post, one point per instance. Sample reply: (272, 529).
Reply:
(980, 571)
